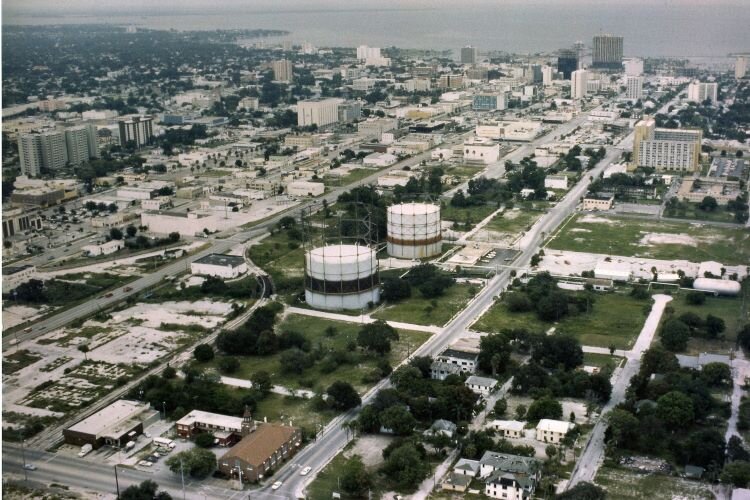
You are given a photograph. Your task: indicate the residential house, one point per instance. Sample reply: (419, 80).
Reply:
(465, 360)
(440, 370)
(552, 431)
(483, 386)
(467, 467)
(508, 428)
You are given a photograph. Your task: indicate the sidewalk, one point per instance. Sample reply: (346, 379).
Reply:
(362, 319)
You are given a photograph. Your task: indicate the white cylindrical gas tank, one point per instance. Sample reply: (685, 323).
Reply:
(717, 286)
(414, 230)
(341, 277)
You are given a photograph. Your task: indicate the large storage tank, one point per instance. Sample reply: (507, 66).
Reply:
(341, 277)
(414, 230)
(717, 287)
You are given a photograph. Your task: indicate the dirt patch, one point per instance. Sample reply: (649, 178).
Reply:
(370, 448)
(580, 230)
(593, 219)
(668, 239)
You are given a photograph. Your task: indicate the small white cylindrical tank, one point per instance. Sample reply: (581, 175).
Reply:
(717, 287)
(341, 277)
(414, 230)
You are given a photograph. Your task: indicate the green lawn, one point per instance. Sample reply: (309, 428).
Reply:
(354, 175)
(278, 253)
(277, 408)
(513, 222)
(314, 378)
(421, 311)
(601, 360)
(640, 237)
(615, 319)
(733, 310)
(471, 215)
(622, 484)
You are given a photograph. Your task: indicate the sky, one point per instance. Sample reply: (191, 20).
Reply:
(145, 6)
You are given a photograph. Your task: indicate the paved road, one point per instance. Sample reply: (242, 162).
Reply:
(318, 454)
(593, 454)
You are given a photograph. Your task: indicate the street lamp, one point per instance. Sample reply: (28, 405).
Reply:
(164, 408)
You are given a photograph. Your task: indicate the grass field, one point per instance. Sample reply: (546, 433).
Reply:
(421, 311)
(688, 210)
(601, 360)
(623, 484)
(733, 310)
(615, 319)
(513, 222)
(277, 408)
(314, 378)
(278, 253)
(354, 175)
(463, 215)
(639, 237)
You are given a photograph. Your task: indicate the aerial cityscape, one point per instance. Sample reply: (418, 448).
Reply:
(391, 249)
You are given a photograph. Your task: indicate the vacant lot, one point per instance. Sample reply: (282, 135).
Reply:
(467, 217)
(508, 225)
(318, 332)
(622, 484)
(615, 319)
(421, 311)
(733, 310)
(279, 254)
(638, 237)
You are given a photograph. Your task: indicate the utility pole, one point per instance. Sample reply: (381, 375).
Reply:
(23, 454)
(182, 477)
(117, 483)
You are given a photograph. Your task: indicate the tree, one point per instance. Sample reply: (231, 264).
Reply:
(204, 440)
(396, 289)
(583, 491)
(521, 412)
(545, 407)
(552, 307)
(262, 382)
(623, 428)
(377, 337)
(203, 353)
(494, 353)
(736, 450)
(736, 473)
(228, 364)
(501, 406)
(704, 448)
(714, 326)
(355, 480)
(716, 374)
(147, 490)
(342, 396)
(131, 230)
(398, 419)
(695, 298)
(675, 409)
(115, 233)
(554, 350)
(84, 348)
(406, 466)
(675, 335)
(197, 463)
(518, 302)
(708, 204)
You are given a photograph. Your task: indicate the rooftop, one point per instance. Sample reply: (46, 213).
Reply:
(509, 463)
(210, 419)
(219, 259)
(560, 426)
(257, 447)
(111, 419)
(481, 381)
(455, 353)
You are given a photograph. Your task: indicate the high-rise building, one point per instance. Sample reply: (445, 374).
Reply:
(282, 70)
(607, 52)
(579, 84)
(139, 129)
(740, 67)
(536, 73)
(666, 148)
(477, 73)
(371, 56)
(349, 111)
(81, 143)
(633, 67)
(451, 81)
(567, 62)
(469, 55)
(489, 102)
(700, 91)
(320, 111)
(546, 75)
(43, 151)
(634, 87)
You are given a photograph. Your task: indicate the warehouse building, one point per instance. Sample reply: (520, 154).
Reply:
(114, 425)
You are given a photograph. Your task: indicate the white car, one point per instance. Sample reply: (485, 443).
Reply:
(305, 471)
(276, 485)
(145, 463)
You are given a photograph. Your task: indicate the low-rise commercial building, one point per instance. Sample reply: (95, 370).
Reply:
(13, 276)
(18, 220)
(106, 248)
(481, 150)
(594, 202)
(466, 361)
(220, 266)
(305, 188)
(508, 428)
(114, 425)
(227, 430)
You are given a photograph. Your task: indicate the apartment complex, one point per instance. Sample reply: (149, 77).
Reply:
(469, 55)
(451, 81)
(489, 102)
(634, 87)
(579, 84)
(282, 70)
(666, 149)
(139, 129)
(700, 91)
(320, 112)
(607, 52)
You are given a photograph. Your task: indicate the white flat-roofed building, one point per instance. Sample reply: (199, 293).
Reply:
(552, 431)
(106, 248)
(305, 188)
(136, 193)
(158, 203)
(220, 266)
(395, 178)
(700, 91)
(634, 87)
(508, 428)
(466, 361)
(556, 182)
(227, 429)
(16, 275)
(522, 131)
(379, 160)
(613, 271)
(480, 149)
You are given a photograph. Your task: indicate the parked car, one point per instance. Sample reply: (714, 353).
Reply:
(145, 463)
(33, 467)
(305, 471)
(276, 485)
